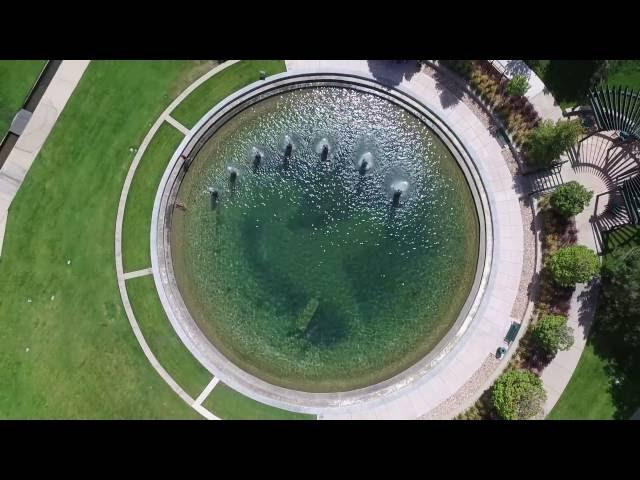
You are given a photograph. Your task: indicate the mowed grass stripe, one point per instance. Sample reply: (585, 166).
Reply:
(221, 85)
(83, 360)
(162, 338)
(136, 230)
(228, 404)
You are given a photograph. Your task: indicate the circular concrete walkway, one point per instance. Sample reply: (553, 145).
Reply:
(480, 343)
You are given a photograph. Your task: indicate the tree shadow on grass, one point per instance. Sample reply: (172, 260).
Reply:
(622, 367)
(615, 335)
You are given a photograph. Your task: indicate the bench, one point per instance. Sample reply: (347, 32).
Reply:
(512, 333)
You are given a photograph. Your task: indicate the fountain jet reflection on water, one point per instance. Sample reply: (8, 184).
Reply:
(325, 153)
(214, 197)
(233, 176)
(256, 161)
(398, 188)
(288, 146)
(288, 151)
(365, 163)
(323, 148)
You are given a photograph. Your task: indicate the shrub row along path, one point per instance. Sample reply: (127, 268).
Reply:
(593, 164)
(558, 372)
(538, 94)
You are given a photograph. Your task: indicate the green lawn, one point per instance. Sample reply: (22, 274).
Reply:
(222, 85)
(231, 405)
(629, 235)
(16, 79)
(568, 80)
(587, 396)
(591, 392)
(83, 360)
(67, 347)
(625, 73)
(162, 338)
(137, 217)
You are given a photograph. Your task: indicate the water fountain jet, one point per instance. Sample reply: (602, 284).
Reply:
(256, 161)
(233, 175)
(214, 197)
(398, 188)
(324, 155)
(365, 163)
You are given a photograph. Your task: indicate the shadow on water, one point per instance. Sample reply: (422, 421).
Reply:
(275, 288)
(327, 327)
(392, 72)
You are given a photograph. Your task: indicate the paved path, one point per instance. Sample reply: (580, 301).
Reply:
(538, 95)
(207, 390)
(558, 373)
(26, 149)
(488, 330)
(138, 273)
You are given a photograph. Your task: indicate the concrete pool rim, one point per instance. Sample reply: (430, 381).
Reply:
(201, 347)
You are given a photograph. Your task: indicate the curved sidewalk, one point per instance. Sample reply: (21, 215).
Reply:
(26, 149)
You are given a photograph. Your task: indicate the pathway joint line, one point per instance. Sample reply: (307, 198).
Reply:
(172, 121)
(207, 390)
(138, 273)
(204, 412)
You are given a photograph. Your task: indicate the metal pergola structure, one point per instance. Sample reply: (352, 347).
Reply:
(618, 109)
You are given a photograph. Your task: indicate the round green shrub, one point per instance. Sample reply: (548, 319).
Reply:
(518, 86)
(573, 264)
(548, 140)
(552, 334)
(518, 395)
(570, 199)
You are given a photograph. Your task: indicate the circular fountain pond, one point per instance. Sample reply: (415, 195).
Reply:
(326, 239)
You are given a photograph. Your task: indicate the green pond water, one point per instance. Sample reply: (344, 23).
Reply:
(304, 273)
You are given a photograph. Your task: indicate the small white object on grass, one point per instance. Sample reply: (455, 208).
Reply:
(69, 262)
(52, 297)
(26, 349)
(28, 300)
